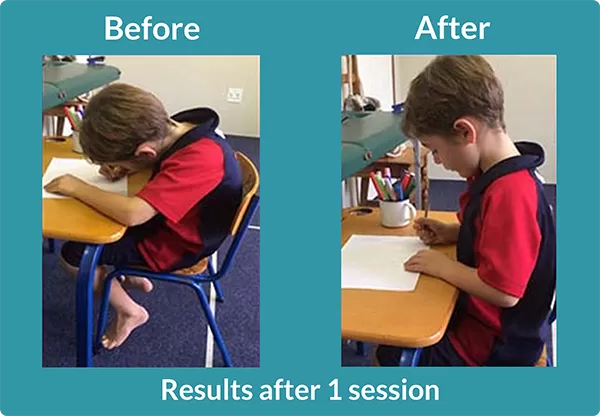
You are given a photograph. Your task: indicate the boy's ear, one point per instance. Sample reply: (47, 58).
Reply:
(146, 151)
(465, 130)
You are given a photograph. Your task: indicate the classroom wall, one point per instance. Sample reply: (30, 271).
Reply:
(529, 83)
(193, 81)
(375, 72)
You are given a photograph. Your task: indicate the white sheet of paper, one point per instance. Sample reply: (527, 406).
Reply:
(377, 262)
(84, 171)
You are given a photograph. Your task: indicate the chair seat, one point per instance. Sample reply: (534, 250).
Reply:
(195, 269)
(542, 361)
(188, 271)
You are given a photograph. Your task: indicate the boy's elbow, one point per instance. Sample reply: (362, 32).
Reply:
(132, 219)
(138, 212)
(506, 301)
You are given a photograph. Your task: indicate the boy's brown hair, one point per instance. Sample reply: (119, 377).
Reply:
(451, 87)
(118, 119)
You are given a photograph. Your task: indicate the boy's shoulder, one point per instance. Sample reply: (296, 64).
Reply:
(511, 193)
(517, 183)
(202, 154)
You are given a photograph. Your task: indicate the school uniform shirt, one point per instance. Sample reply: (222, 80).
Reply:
(507, 234)
(196, 189)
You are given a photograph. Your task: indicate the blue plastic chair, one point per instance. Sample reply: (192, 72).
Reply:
(204, 271)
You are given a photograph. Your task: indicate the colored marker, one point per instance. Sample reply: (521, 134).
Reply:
(398, 189)
(376, 185)
(390, 189)
(70, 118)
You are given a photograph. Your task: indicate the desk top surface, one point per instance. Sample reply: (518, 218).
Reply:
(409, 319)
(69, 219)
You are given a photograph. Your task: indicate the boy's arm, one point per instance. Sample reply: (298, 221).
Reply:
(453, 230)
(129, 211)
(507, 250)
(465, 278)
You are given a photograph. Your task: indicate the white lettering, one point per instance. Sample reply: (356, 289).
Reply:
(148, 29)
(468, 30)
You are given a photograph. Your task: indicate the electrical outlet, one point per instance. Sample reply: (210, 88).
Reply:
(234, 95)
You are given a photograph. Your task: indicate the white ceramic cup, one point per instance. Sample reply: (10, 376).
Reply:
(75, 142)
(396, 214)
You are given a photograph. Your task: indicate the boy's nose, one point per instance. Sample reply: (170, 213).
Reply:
(436, 159)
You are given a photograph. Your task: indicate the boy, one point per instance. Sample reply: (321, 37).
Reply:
(180, 216)
(506, 244)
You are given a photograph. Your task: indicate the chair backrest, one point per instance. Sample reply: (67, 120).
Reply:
(250, 181)
(245, 212)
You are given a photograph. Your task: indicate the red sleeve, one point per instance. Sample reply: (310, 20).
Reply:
(510, 237)
(184, 179)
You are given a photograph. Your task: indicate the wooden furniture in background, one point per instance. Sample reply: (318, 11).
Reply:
(59, 113)
(396, 164)
(350, 79)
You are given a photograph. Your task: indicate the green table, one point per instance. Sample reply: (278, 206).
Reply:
(64, 81)
(368, 136)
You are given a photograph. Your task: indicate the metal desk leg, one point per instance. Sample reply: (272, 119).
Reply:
(84, 304)
(410, 357)
(417, 153)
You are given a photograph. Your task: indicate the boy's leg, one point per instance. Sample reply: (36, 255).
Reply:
(128, 282)
(441, 354)
(129, 315)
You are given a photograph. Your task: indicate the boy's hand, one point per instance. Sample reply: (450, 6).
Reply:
(432, 231)
(112, 172)
(430, 262)
(66, 185)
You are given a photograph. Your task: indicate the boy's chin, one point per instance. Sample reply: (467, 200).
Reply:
(465, 174)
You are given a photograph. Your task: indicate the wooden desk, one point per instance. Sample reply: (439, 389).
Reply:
(407, 319)
(69, 219)
(72, 220)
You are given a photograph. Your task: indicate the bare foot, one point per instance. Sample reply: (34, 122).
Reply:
(141, 283)
(122, 326)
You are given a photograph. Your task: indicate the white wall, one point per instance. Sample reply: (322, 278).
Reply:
(375, 72)
(194, 81)
(529, 83)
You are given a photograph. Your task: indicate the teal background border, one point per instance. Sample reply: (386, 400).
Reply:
(300, 44)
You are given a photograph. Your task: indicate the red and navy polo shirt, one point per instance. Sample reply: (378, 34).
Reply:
(196, 188)
(507, 233)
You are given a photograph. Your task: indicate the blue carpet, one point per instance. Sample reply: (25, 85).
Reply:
(443, 196)
(175, 335)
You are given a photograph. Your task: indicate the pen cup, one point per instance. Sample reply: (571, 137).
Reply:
(75, 142)
(396, 214)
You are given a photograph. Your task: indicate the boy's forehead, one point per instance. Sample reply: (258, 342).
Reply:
(431, 140)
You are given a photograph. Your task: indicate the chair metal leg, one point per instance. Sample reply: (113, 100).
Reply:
(212, 323)
(84, 304)
(211, 272)
(219, 292)
(410, 357)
